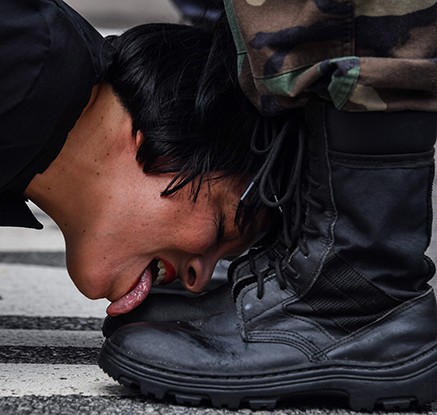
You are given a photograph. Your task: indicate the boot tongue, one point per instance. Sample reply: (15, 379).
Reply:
(241, 283)
(261, 257)
(253, 309)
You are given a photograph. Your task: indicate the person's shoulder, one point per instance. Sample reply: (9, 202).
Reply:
(51, 58)
(74, 33)
(24, 47)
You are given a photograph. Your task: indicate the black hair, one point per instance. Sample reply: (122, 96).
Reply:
(179, 83)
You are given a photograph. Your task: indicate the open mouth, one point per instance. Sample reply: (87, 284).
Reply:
(157, 272)
(162, 272)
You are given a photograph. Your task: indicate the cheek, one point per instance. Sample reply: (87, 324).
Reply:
(192, 233)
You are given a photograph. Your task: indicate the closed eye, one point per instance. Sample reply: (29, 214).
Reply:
(221, 228)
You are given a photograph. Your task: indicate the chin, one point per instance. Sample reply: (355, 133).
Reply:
(89, 282)
(93, 293)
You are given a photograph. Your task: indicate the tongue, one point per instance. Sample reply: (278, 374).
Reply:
(133, 298)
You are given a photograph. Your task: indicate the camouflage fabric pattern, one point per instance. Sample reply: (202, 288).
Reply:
(363, 55)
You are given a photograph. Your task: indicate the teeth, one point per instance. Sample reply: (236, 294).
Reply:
(161, 273)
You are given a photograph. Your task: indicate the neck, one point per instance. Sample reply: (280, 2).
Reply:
(74, 182)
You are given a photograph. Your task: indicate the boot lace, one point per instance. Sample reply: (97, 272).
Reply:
(294, 229)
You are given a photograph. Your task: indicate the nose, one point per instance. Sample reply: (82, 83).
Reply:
(197, 273)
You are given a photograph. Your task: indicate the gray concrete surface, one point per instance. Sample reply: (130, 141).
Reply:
(50, 334)
(125, 13)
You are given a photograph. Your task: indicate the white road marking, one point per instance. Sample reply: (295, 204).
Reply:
(47, 380)
(21, 239)
(43, 291)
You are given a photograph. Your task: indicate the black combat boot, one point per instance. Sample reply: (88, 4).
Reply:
(343, 310)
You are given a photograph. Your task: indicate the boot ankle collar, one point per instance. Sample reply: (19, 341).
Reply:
(361, 161)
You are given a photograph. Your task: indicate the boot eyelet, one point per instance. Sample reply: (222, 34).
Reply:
(305, 253)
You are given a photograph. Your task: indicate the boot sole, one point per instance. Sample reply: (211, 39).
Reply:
(401, 386)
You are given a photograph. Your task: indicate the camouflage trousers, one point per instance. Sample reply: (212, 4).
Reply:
(363, 55)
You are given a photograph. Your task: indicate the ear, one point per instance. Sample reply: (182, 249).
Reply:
(138, 139)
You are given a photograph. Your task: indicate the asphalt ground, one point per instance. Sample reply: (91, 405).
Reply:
(50, 335)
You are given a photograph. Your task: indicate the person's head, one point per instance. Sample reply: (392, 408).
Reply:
(183, 148)
(179, 84)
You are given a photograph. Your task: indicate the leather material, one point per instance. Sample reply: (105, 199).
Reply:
(213, 347)
(401, 333)
(173, 307)
(373, 132)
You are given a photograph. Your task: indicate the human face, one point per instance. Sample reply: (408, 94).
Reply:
(136, 232)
